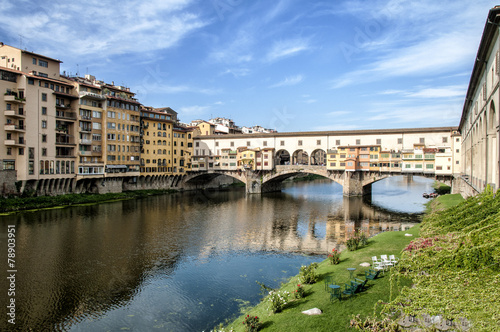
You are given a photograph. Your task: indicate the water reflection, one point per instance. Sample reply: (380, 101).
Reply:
(179, 262)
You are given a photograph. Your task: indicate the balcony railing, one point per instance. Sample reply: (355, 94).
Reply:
(92, 95)
(11, 98)
(59, 105)
(66, 115)
(16, 114)
(14, 127)
(12, 142)
(85, 141)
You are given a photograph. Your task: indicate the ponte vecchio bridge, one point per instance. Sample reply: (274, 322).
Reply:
(354, 159)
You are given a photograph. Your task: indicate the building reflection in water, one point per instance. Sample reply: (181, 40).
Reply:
(77, 264)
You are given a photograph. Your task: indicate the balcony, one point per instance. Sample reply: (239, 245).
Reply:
(85, 129)
(63, 106)
(92, 95)
(66, 115)
(62, 128)
(85, 117)
(85, 153)
(13, 98)
(15, 114)
(19, 143)
(65, 141)
(14, 128)
(85, 141)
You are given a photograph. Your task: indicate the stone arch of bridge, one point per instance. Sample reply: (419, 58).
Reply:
(210, 175)
(284, 174)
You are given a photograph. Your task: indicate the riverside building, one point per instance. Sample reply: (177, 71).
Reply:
(479, 124)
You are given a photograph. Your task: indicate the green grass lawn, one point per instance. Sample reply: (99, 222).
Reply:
(444, 202)
(337, 314)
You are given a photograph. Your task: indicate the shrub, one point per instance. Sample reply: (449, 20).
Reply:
(334, 257)
(363, 240)
(308, 273)
(299, 292)
(251, 323)
(352, 243)
(277, 300)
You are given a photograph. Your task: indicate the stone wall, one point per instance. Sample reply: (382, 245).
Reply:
(8, 182)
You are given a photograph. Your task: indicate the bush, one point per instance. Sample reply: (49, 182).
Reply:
(308, 273)
(334, 257)
(352, 243)
(299, 292)
(277, 300)
(251, 323)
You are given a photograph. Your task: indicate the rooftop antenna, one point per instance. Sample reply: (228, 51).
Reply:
(77, 69)
(21, 41)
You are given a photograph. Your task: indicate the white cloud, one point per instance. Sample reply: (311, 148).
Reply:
(414, 39)
(99, 29)
(286, 48)
(194, 110)
(337, 113)
(452, 91)
(291, 80)
(337, 126)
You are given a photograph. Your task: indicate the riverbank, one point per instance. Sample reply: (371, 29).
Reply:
(13, 205)
(336, 315)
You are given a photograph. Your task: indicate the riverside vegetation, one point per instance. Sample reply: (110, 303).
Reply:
(40, 202)
(451, 271)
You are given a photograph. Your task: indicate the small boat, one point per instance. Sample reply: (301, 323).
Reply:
(425, 195)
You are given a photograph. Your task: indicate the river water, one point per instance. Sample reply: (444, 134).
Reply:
(182, 262)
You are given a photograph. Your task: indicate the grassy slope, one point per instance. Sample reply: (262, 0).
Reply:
(336, 315)
(444, 202)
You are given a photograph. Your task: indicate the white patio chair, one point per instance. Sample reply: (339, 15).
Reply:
(393, 259)
(386, 262)
(378, 265)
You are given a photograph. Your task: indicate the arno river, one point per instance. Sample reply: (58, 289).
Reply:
(182, 262)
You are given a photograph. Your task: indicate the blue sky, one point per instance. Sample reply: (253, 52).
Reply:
(290, 65)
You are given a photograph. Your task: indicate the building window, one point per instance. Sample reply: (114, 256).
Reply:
(31, 81)
(9, 165)
(9, 151)
(44, 124)
(43, 63)
(282, 143)
(300, 143)
(337, 142)
(232, 144)
(318, 142)
(44, 138)
(44, 97)
(358, 142)
(248, 143)
(264, 143)
(422, 140)
(445, 139)
(34, 61)
(457, 150)
(400, 141)
(44, 110)
(216, 143)
(379, 141)
(44, 152)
